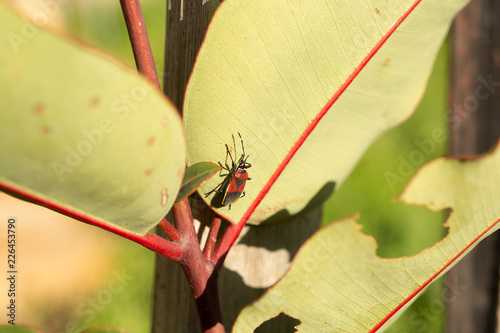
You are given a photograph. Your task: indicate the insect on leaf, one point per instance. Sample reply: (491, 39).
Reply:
(309, 85)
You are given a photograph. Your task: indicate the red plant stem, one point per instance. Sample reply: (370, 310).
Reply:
(208, 251)
(139, 39)
(184, 220)
(158, 244)
(203, 276)
(169, 229)
(201, 273)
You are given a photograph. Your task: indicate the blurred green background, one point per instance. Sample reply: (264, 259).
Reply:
(386, 167)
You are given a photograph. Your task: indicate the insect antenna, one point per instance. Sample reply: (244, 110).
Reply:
(231, 156)
(242, 146)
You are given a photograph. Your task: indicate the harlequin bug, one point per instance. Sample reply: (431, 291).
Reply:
(234, 185)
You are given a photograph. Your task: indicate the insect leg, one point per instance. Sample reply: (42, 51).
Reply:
(224, 167)
(219, 187)
(212, 191)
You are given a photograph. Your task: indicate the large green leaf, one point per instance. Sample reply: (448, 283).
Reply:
(338, 284)
(309, 85)
(83, 134)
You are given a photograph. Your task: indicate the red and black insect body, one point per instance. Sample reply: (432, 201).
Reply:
(234, 185)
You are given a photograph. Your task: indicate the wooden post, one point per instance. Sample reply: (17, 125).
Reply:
(186, 23)
(474, 121)
(263, 253)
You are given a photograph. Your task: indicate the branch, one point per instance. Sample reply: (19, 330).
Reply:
(169, 229)
(208, 251)
(158, 244)
(139, 39)
(184, 221)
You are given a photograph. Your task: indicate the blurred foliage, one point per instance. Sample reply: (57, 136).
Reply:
(101, 24)
(131, 307)
(380, 176)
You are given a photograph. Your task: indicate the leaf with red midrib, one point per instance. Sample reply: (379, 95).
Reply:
(337, 283)
(309, 85)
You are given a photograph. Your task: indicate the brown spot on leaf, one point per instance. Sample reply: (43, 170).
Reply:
(150, 141)
(39, 108)
(377, 11)
(149, 172)
(46, 130)
(164, 197)
(95, 101)
(386, 62)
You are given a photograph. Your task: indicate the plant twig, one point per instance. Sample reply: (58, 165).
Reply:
(169, 229)
(208, 251)
(201, 273)
(139, 39)
(184, 220)
(160, 245)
